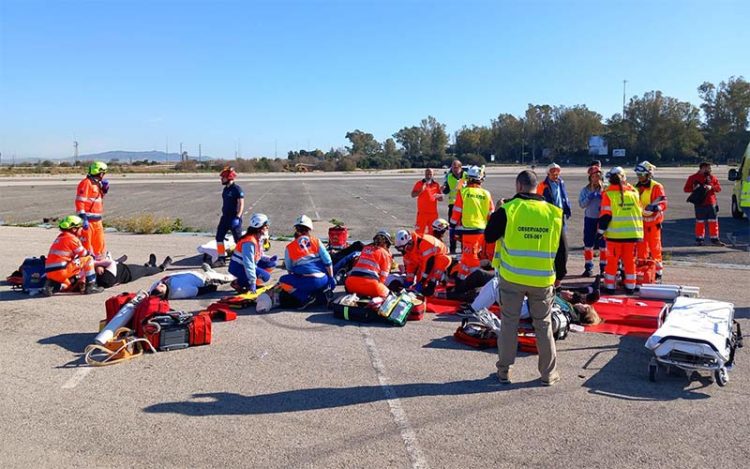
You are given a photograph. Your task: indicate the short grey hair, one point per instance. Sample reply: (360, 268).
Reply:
(527, 180)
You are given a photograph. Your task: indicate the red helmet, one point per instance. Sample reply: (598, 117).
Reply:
(228, 173)
(595, 169)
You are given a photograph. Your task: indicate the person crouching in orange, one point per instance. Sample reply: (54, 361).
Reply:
(68, 264)
(367, 277)
(426, 260)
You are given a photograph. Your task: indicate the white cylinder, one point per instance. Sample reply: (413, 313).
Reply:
(120, 319)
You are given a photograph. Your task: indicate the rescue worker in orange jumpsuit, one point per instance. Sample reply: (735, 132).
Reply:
(473, 208)
(309, 265)
(706, 209)
(90, 207)
(621, 224)
(367, 277)
(426, 260)
(428, 193)
(654, 203)
(68, 264)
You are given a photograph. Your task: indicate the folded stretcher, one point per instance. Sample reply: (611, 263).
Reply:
(697, 334)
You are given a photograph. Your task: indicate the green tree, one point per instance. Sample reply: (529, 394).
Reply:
(726, 109)
(363, 143)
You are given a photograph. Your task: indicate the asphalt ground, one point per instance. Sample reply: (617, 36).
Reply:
(303, 389)
(364, 201)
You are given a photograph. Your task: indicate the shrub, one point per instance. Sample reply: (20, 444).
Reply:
(148, 223)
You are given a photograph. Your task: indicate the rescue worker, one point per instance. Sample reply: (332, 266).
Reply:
(427, 193)
(426, 260)
(68, 264)
(553, 189)
(473, 208)
(89, 206)
(621, 223)
(590, 199)
(309, 265)
(233, 203)
(368, 276)
(439, 227)
(249, 253)
(454, 181)
(707, 209)
(654, 204)
(530, 257)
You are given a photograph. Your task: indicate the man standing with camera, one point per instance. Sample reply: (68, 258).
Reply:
(703, 187)
(427, 192)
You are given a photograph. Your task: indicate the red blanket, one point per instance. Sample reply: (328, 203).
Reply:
(627, 316)
(622, 316)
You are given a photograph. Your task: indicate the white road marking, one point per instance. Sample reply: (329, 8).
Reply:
(369, 203)
(315, 208)
(76, 379)
(397, 411)
(268, 191)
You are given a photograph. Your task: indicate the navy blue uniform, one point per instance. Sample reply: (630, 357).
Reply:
(230, 196)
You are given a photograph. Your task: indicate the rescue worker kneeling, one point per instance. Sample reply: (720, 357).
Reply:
(426, 260)
(367, 277)
(68, 264)
(310, 268)
(249, 253)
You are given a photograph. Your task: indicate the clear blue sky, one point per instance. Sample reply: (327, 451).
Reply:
(128, 75)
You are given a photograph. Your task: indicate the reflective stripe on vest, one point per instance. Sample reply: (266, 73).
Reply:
(303, 250)
(627, 216)
(476, 207)
(529, 245)
(237, 253)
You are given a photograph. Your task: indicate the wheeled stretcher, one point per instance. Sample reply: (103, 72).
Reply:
(696, 334)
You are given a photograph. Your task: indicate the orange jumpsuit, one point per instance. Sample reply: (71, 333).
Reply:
(652, 196)
(89, 205)
(427, 205)
(367, 277)
(621, 220)
(471, 212)
(427, 259)
(67, 259)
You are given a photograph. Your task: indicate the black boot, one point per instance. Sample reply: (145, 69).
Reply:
(92, 288)
(165, 263)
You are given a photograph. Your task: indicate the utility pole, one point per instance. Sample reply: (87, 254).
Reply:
(624, 83)
(200, 154)
(166, 151)
(181, 157)
(75, 152)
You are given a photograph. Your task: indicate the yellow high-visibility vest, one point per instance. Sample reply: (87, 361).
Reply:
(627, 215)
(454, 184)
(475, 208)
(526, 252)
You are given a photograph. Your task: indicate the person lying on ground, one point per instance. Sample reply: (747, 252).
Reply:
(110, 272)
(580, 302)
(181, 285)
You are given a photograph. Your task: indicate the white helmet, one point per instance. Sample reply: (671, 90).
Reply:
(440, 224)
(304, 220)
(385, 234)
(474, 172)
(258, 220)
(553, 166)
(403, 238)
(643, 168)
(615, 170)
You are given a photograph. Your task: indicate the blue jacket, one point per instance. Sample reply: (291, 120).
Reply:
(545, 191)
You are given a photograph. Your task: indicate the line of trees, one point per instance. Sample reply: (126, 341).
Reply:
(654, 126)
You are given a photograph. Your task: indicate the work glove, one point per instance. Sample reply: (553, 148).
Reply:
(85, 222)
(417, 288)
(653, 208)
(105, 186)
(236, 222)
(253, 289)
(332, 283)
(429, 289)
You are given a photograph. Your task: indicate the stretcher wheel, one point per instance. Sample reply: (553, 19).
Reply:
(653, 368)
(722, 376)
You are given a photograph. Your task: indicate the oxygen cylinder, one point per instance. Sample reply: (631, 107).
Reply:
(120, 319)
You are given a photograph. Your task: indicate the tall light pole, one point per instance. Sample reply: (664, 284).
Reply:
(624, 83)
